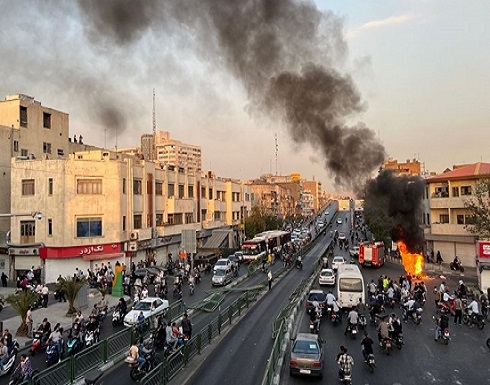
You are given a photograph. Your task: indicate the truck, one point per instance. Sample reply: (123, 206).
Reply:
(372, 254)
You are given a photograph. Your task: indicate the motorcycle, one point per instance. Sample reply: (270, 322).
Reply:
(36, 342)
(90, 338)
(117, 317)
(315, 324)
(136, 373)
(346, 378)
(10, 364)
(352, 329)
(335, 317)
(475, 319)
(386, 345)
(299, 264)
(362, 322)
(398, 340)
(415, 316)
(191, 288)
(52, 354)
(370, 363)
(73, 343)
(456, 266)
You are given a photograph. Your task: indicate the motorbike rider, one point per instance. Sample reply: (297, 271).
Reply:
(352, 320)
(45, 329)
(456, 262)
(411, 307)
(395, 326)
(472, 309)
(4, 355)
(442, 323)
(330, 299)
(26, 367)
(315, 314)
(122, 306)
(345, 362)
(461, 289)
(56, 338)
(383, 330)
(93, 326)
(137, 355)
(367, 346)
(374, 308)
(299, 262)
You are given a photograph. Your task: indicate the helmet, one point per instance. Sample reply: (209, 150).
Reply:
(460, 282)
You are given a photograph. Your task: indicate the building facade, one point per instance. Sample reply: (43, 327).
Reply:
(410, 167)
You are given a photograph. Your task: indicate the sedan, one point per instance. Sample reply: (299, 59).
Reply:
(327, 277)
(306, 356)
(354, 251)
(337, 261)
(339, 221)
(150, 306)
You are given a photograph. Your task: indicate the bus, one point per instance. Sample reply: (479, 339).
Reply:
(350, 286)
(253, 249)
(275, 238)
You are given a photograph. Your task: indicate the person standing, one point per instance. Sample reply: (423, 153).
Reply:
(30, 322)
(438, 257)
(269, 279)
(45, 295)
(458, 310)
(4, 279)
(186, 327)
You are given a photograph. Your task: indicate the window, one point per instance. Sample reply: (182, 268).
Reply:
(23, 116)
(171, 189)
(46, 148)
(50, 227)
(465, 190)
(137, 221)
(247, 197)
(460, 219)
(50, 186)
(27, 228)
(203, 214)
(46, 120)
(175, 219)
(189, 218)
(444, 218)
(190, 192)
(217, 216)
(181, 191)
(89, 186)
(24, 152)
(428, 219)
(61, 152)
(469, 220)
(158, 188)
(210, 195)
(159, 220)
(455, 192)
(203, 192)
(89, 227)
(137, 186)
(124, 185)
(28, 187)
(124, 223)
(16, 146)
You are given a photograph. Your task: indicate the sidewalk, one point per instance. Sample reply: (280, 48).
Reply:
(55, 312)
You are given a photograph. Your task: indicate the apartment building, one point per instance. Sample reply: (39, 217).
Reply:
(276, 198)
(315, 189)
(445, 216)
(410, 167)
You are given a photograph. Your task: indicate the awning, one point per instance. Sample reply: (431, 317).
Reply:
(216, 240)
(450, 238)
(26, 262)
(96, 257)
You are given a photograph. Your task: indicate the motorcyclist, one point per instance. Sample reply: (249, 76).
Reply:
(456, 262)
(122, 306)
(93, 326)
(374, 308)
(45, 329)
(136, 355)
(461, 289)
(315, 314)
(56, 338)
(411, 306)
(441, 324)
(26, 367)
(345, 362)
(367, 346)
(352, 320)
(472, 309)
(299, 262)
(383, 331)
(395, 328)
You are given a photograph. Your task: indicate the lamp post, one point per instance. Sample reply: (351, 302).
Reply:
(33, 214)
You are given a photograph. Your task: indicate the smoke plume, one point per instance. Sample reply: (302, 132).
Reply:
(399, 198)
(282, 51)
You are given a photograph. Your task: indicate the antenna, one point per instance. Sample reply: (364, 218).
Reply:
(154, 150)
(277, 149)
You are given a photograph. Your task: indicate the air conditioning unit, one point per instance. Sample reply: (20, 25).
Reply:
(132, 246)
(133, 236)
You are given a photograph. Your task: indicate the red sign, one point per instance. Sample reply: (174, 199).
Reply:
(79, 251)
(483, 249)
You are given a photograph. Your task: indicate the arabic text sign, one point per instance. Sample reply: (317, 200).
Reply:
(483, 249)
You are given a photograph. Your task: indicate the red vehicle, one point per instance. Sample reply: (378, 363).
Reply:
(372, 254)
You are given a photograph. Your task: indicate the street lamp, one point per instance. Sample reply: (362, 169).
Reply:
(34, 214)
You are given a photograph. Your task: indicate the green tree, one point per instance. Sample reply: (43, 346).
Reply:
(260, 220)
(20, 302)
(71, 287)
(478, 207)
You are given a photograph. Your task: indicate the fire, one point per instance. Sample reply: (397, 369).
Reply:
(413, 263)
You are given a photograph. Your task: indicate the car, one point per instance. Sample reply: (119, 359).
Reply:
(326, 277)
(222, 276)
(306, 356)
(354, 251)
(321, 224)
(150, 306)
(239, 256)
(337, 261)
(341, 236)
(220, 263)
(339, 221)
(234, 260)
(318, 296)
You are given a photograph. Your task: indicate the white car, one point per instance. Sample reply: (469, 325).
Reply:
(222, 263)
(337, 261)
(354, 251)
(339, 221)
(327, 277)
(150, 306)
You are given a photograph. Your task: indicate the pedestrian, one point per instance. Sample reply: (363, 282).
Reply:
(269, 279)
(45, 295)
(4, 279)
(458, 310)
(29, 321)
(438, 257)
(186, 327)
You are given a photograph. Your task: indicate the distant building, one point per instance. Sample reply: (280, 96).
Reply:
(410, 167)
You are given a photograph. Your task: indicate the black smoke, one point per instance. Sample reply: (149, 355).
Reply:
(398, 199)
(282, 51)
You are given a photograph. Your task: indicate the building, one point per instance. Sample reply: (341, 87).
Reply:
(315, 189)
(445, 215)
(171, 151)
(100, 206)
(410, 167)
(277, 198)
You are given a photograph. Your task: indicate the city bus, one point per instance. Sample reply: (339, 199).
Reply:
(350, 286)
(253, 249)
(275, 238)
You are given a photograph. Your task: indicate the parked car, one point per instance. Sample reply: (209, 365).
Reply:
(316, 295)
(327, 277)
(222, 276)
(306, 357)
(221, 263)
(337, 261)
(150, 306)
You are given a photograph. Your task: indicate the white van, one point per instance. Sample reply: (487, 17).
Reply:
(350, 286)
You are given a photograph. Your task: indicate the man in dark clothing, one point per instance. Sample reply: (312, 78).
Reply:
(438, 257)
(367, 345)
(4, 279)
(186, 326)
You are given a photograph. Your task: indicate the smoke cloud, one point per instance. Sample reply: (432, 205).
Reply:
(400, 199)
(282, 51)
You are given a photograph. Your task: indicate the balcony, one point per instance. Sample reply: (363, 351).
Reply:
(448, 229)
(175, 205)
(447, 203)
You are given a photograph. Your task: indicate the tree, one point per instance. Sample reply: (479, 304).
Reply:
(20, 302)
(260, 220)
(72, 286)
(478, 207)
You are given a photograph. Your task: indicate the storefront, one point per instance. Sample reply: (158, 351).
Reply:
(65, 260)
(483, 264)
(23, 259)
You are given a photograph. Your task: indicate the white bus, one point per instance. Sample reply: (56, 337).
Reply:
(350, 286)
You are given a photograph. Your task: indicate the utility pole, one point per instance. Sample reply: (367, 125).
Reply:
(277, 149)
(154, 149)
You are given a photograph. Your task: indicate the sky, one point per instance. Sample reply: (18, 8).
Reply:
(341, 84)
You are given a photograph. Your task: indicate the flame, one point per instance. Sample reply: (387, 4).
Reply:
(413, 263)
